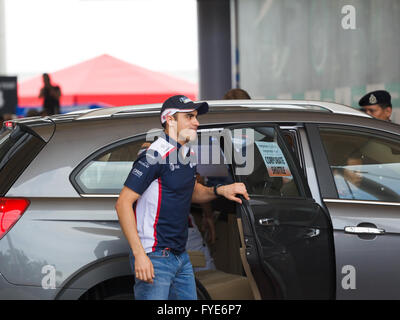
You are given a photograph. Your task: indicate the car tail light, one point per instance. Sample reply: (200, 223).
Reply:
(8, 124)
(11, 209)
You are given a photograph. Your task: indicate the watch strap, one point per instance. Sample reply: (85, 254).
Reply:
(215, 189)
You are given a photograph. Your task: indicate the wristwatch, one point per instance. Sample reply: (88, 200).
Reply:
(215, 189)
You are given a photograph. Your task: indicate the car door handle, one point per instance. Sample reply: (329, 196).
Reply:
(312, 232)
(363, 230)
(267, 222)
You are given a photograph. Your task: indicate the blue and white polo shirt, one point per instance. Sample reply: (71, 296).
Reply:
(165, 182)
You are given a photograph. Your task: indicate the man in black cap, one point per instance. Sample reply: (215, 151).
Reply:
(377, 104)
(161, 187)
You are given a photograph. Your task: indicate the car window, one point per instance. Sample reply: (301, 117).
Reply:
(213, 167)
(273, 172)
(291, 137)
(365, 166)
(107, 172)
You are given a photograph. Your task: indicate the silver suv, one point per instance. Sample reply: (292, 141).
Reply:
(323, 220)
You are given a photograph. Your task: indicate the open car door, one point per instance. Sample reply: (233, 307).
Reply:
(287, 235)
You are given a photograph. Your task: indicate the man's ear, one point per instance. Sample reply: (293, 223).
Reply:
(170, 120)
(388, 111)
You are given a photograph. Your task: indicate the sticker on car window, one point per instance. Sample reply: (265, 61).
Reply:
(274, 159)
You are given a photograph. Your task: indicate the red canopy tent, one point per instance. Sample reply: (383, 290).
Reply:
(107, 80)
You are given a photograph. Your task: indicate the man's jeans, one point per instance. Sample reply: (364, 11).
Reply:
(174, 279)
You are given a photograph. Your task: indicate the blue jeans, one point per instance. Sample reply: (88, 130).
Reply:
(174, 278)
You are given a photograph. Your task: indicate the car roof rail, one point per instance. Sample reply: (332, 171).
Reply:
(311, 105)
(277, 105)
(125, 110)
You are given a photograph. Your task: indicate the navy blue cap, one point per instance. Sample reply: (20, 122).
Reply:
(181, 103)
(375, 97)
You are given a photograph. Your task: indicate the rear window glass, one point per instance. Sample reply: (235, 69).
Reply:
(18, 148)
(365, 166)
(107, 172)
(4, 134)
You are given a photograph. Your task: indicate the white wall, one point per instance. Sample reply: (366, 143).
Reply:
(304, 49)
(396, 115)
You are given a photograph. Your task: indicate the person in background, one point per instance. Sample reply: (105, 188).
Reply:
(51, 96)
(377, 104)
(348, 179)
(236, 94)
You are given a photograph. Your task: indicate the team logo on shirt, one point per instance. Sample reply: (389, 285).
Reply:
(137, 173)
(162, 147)
(172, 166)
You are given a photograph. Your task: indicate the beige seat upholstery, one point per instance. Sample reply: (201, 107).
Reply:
(225, 286)
(197, 259)
(228, 284)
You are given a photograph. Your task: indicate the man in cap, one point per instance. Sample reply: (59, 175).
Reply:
(377, 104)
(162, 184)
